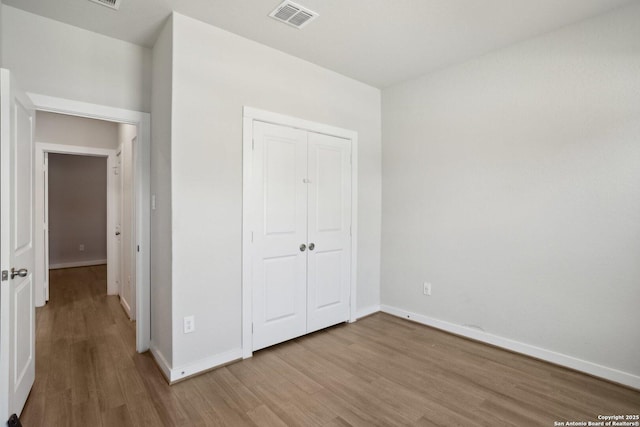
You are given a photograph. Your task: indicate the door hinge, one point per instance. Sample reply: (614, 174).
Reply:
(253, 144)
(5, 275)
(138, 248)
(252, 328)
(252, 237)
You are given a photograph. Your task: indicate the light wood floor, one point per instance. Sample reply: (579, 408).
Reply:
(378, 371)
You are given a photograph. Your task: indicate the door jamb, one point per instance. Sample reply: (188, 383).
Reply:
(142, 189)
(249, 116)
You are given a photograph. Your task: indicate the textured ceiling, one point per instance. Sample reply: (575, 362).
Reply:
(379, 42)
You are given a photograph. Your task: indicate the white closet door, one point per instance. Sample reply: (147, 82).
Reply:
(329, 262)
(279, 266)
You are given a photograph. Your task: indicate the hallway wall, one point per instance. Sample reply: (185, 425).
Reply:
(53, 128)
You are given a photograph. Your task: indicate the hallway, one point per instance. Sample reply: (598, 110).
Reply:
(87, 370)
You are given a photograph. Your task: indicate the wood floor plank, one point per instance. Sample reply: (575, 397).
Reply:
(379, 371)
(83, 381)
(236, 394)
(263, 416)
(117, 417)
(292, 405)
(86, 414)
(58, 409)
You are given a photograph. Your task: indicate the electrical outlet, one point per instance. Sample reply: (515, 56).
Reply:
(427, 288)
(81, 247)
(189, 324)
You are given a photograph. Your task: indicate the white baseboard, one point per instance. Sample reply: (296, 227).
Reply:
(173, 375)
(590, 368)
(367, 311)
(77, 264)
(162, 363)
(126, 306)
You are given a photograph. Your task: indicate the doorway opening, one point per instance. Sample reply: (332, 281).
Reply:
(87, 201)
(132, 143)
(75, 210)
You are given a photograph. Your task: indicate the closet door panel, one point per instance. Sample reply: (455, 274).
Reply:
(279, 266)
(329, 218)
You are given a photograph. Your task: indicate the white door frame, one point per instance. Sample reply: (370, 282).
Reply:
(142, 190)
(41, 210)
(248, 206)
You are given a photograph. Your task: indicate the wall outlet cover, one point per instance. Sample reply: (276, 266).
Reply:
(427, 288)
(189, 324)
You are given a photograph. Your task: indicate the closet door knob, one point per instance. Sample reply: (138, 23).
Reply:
(303, 247)
(312, 246)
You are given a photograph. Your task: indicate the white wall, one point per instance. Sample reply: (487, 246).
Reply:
(126, 134)
(216, 73)
(161, 259)
(511, 182)
(55, 128)
(77, 209)
(56, 59)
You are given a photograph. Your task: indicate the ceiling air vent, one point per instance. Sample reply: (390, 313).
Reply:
(112, 4)
(292, 14)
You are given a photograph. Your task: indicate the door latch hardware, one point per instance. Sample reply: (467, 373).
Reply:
(22, 272)
(5, 275)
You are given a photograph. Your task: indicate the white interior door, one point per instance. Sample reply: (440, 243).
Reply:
(127, 293)
(17, 309)
(329, 213)
(280, 219)
(133, 250)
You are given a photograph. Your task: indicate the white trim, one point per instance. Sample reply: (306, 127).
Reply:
(585, 366)
(45, 235)
(127, 308)
(41, 190)
(247, 168)
(142, 191)
(84, 109)
(162, 363)
(5, 243)
(176, 374)
(74, 264)
(75, 149)
(367, 311)
(205, 364)
(297, 123)
(249, 115)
